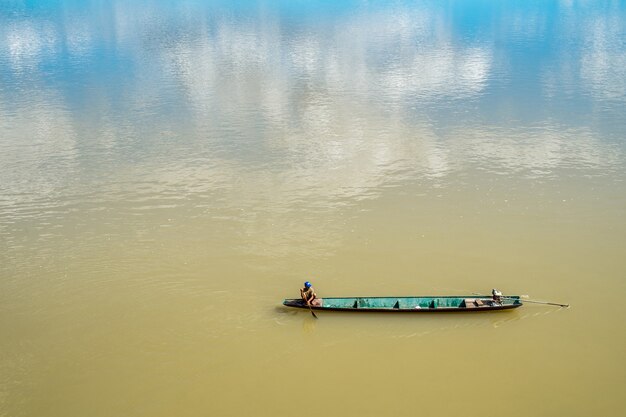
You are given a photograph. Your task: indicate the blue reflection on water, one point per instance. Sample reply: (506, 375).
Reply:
(265, 82)
(519, 62)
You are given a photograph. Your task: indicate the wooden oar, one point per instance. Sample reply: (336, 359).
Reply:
(310, 309)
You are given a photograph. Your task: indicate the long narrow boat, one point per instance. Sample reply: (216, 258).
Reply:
(417, 304)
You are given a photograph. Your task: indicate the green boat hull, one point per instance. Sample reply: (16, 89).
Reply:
(417, 304)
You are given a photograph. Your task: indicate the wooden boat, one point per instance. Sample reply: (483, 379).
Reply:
(417, 304)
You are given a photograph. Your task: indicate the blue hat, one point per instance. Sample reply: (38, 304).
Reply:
(307, 284)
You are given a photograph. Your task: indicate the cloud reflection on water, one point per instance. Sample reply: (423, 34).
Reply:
(603, 63)
(272, 108)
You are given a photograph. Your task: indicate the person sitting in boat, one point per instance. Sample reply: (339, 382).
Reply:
(497, 296)
(308, 293)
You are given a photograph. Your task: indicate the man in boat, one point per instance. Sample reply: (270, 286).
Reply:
(497, 296)
(308, 294)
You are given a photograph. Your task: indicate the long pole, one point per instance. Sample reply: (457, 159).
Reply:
(527, 301)
(539, 302)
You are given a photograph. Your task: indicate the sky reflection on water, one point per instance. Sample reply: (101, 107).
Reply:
(306, 100)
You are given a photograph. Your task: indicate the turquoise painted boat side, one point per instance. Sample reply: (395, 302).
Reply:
(413, 303)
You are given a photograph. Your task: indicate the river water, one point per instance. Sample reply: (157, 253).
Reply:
(170, 171)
